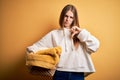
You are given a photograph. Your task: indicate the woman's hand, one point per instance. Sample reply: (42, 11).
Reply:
(75, 30)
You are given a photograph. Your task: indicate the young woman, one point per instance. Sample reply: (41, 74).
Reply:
(77, 45)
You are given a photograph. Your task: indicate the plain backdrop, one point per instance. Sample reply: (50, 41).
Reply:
(24, 22)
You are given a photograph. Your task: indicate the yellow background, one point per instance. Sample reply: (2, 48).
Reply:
(24, 22)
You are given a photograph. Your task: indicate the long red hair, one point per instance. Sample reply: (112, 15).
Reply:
(75, 18)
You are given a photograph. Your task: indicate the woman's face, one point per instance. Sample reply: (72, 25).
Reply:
(68, 19)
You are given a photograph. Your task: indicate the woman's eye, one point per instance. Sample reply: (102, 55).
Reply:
(66, 15)
(71, 17)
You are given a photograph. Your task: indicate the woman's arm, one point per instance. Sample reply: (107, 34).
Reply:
(91, 43)
(44, 43)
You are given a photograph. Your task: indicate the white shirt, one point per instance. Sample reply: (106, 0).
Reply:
(71, 59)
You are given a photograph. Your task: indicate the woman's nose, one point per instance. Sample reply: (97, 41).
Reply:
(68, 18)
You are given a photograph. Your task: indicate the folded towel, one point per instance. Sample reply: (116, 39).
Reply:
(47, 58)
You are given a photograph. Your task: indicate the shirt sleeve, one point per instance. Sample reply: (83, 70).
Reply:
(91, 42)
(44, 43)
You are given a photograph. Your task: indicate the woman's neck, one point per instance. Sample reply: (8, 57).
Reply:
(67, 27)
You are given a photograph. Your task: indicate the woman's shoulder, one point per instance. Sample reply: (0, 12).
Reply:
(56, 30)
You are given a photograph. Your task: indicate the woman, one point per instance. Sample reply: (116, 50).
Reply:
(77, 44)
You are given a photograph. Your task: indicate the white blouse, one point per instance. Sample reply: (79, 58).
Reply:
(71, 59)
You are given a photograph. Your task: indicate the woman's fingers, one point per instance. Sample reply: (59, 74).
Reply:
(75, 30)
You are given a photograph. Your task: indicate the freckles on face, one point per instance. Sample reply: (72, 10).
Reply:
(68, 19)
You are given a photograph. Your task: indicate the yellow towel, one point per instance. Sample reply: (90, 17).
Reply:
(47, 58)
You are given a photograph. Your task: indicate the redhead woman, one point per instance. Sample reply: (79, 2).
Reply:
(77, 45)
